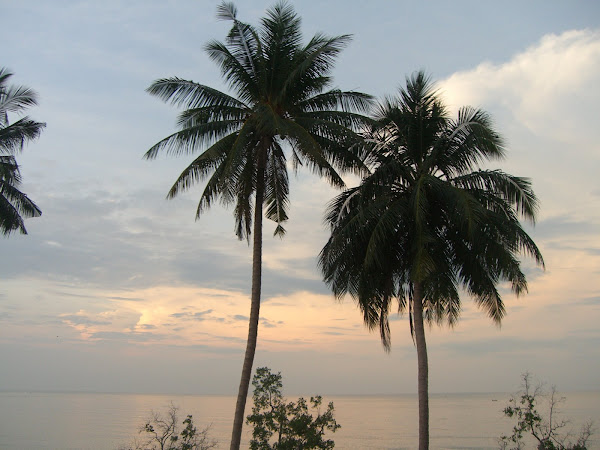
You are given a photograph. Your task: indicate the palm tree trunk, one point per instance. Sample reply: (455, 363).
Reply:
(240, 406)
(423, 371)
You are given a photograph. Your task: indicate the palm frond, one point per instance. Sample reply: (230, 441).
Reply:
(188, 94)
(426, 213)
(14, 136)
(347, 101)
(236, 71)
(189, 140)
(14, 204)
(203, 165)
(310, 152)
(13, 99)
(277, 188)
(312, 64)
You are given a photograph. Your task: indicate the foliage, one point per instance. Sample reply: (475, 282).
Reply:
(14, 204)
(280, 425)
(161, 432)
(283, 112)
(428, 213)
(428, 222)
(546, 430)
(280, 97)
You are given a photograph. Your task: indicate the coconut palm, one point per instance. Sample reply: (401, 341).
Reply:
(428, 221)
(280, 112)
(14, 204)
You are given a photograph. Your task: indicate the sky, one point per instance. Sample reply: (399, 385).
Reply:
(116, 289)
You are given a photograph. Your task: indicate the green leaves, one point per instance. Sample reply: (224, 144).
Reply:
(280, 425)
(14, 204)
(161, 432)
(280, 100)
(546, 428)
(427, 213)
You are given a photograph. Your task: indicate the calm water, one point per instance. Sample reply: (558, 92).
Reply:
(32, 421)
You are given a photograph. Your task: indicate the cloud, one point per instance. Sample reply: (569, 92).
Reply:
(513, 345)
(75, 319)
(102, 243)
(593, 301)
(126, 336)
(128, 299)
(199, 316)
(560, 227)
(559, 69)
(269, 323)
(544, 101)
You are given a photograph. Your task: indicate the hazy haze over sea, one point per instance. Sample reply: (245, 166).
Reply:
(77, 421)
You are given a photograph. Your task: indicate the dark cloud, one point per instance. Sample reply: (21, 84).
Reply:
(284, 282)
(84, 320)
(198, 316)
(128, 299)
(201, 314)
(563, 228)
(62, 293)
(97, 240)
(512, 345)
(216, 349)
(127, 336)
(268, 323)
(342, 329)
(593, 301)
(569, 247)
(228, 338)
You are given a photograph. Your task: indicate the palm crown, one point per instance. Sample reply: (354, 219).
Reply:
(14, 204)
(280, 96)
(429, 214)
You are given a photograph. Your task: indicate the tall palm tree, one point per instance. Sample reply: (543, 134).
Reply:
(280, 110)
(428, 221)
(14, 204)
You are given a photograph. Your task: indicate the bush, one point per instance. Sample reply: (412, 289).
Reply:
(280, 425)
(549, 432)
(161, 432)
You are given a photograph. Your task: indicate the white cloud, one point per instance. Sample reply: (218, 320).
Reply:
(545, 102)
(548, 87)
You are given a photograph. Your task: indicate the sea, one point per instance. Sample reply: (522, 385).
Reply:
(44, 421)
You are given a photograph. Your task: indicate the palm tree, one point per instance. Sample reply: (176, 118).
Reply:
(14, 204)
(280, 98)
(428, 221)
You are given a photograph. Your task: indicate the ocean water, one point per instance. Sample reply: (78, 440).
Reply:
(32, 421)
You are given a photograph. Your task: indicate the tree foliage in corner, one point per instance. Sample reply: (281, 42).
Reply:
(14, 204)
(547, 429)
(286, 426)
(161, 432)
